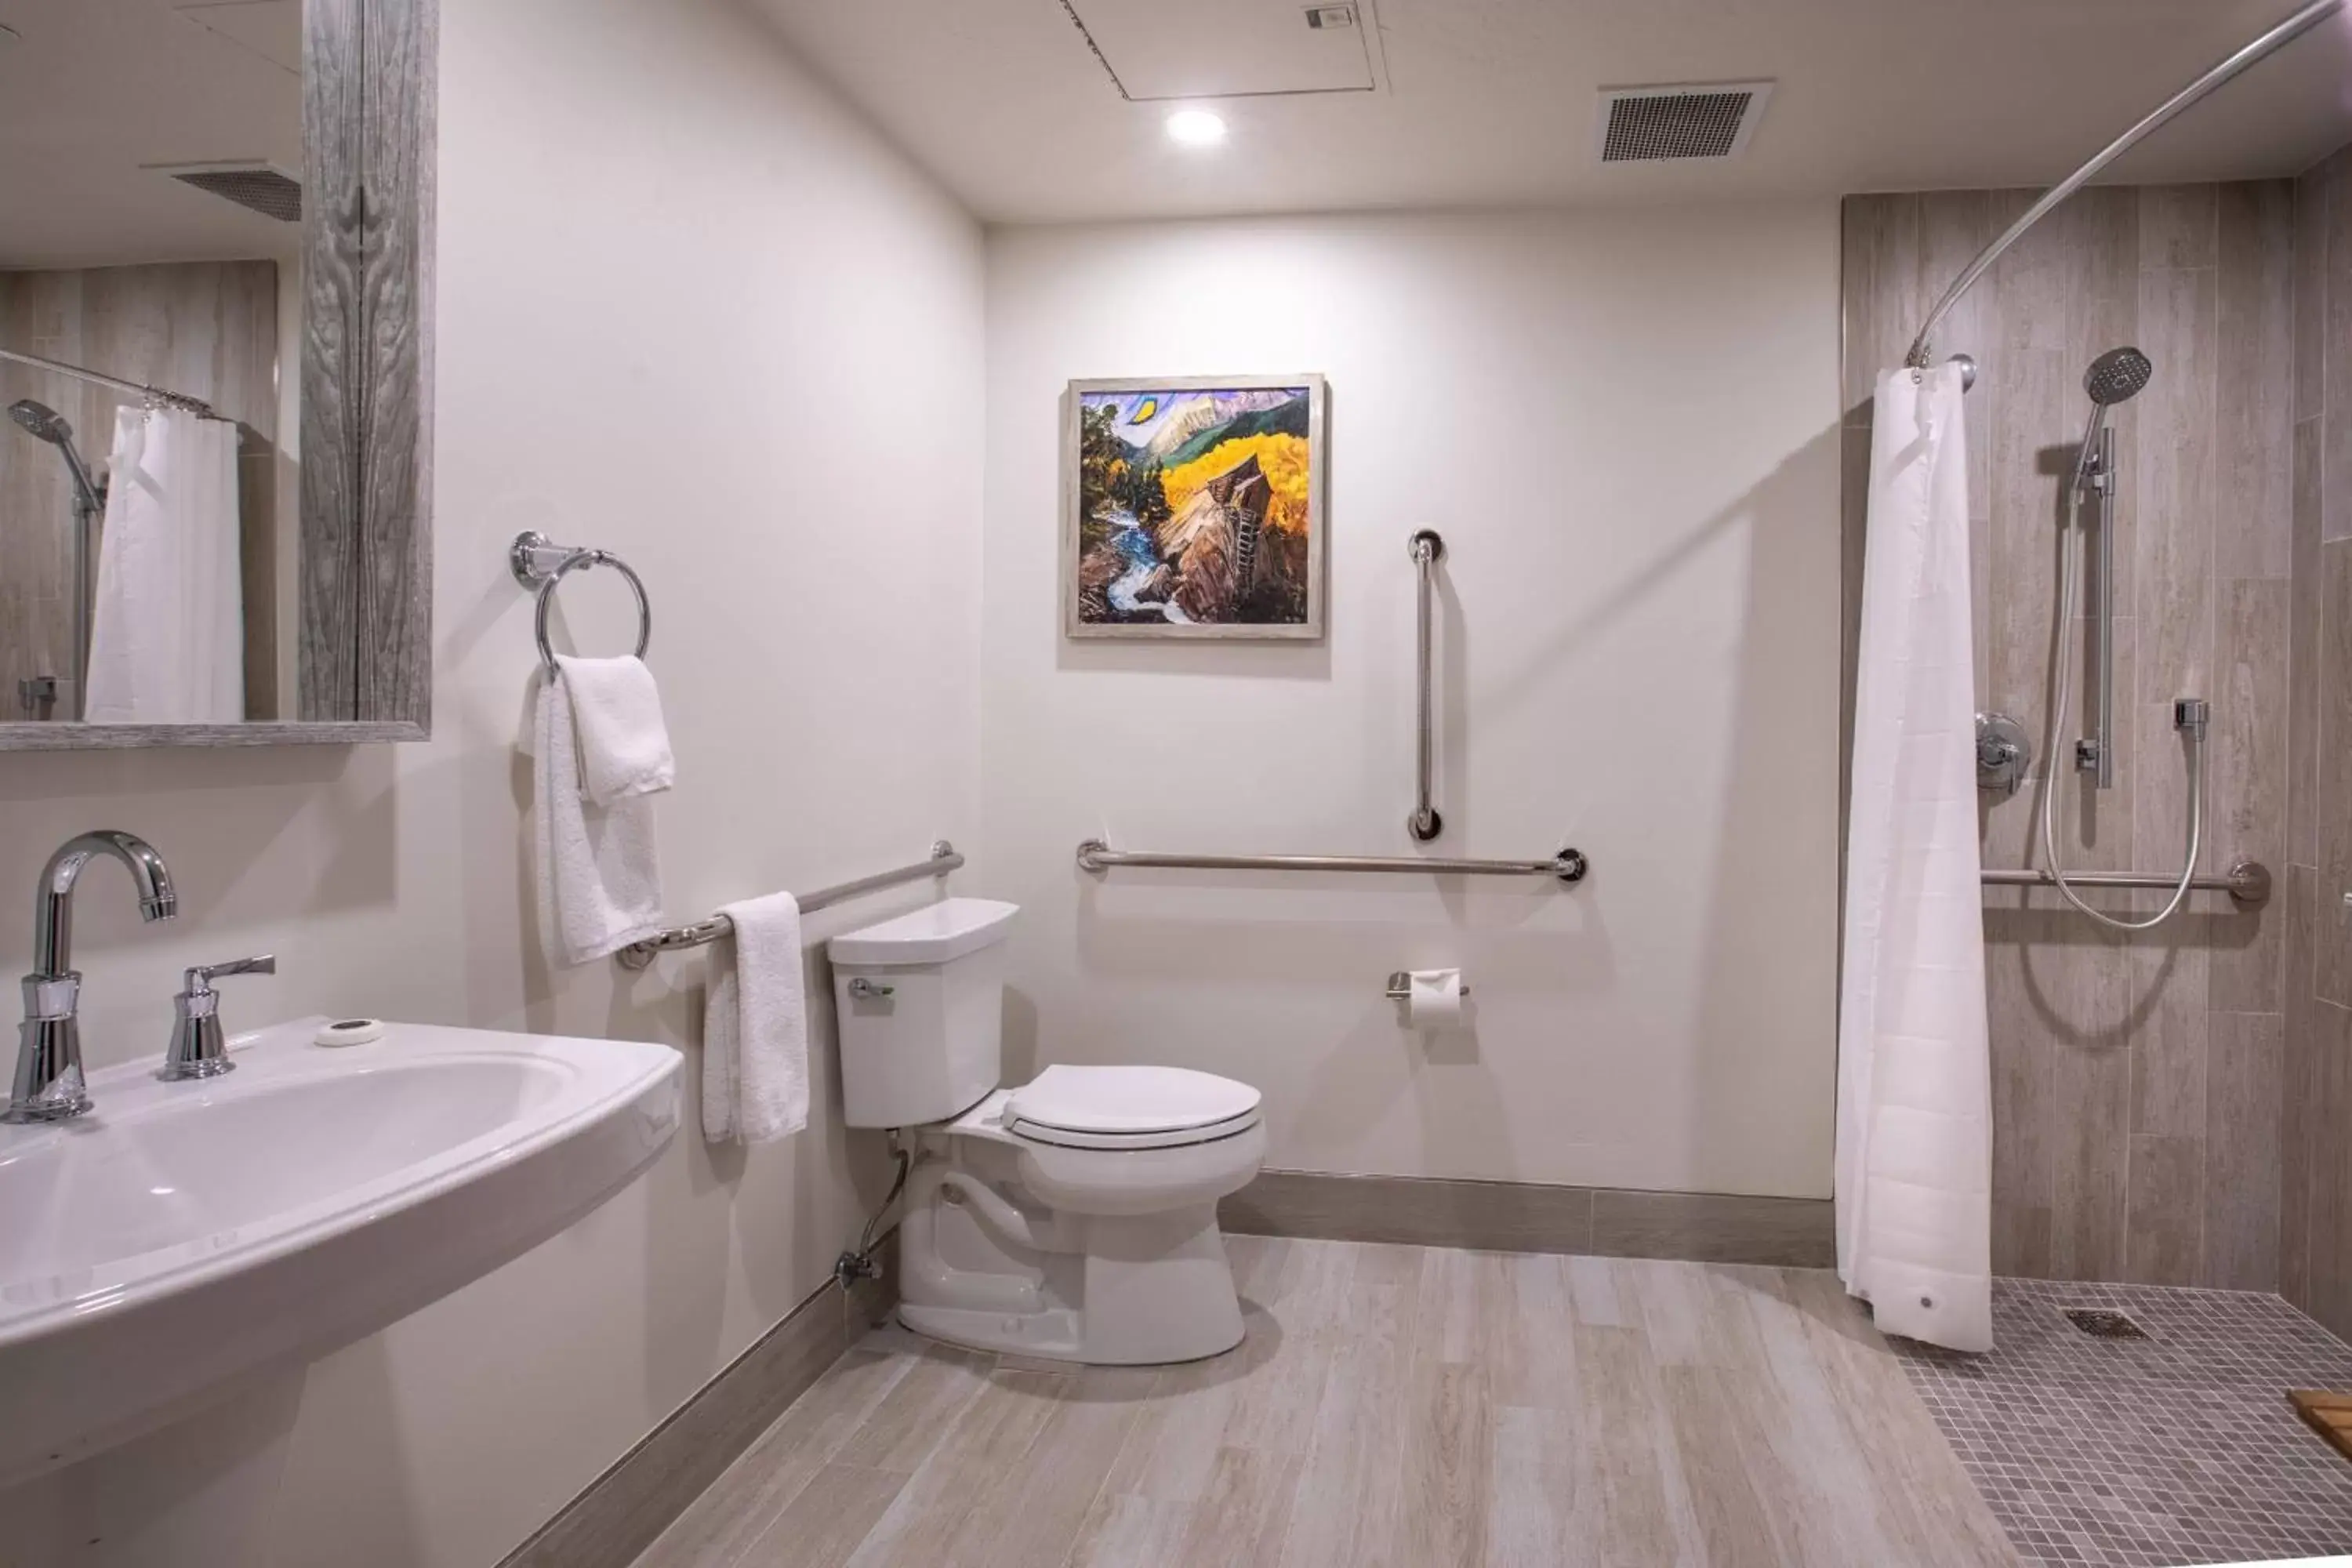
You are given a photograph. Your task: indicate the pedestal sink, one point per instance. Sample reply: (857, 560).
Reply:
(184, 1237)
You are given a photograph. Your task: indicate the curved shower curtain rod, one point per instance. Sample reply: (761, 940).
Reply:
(2293, 27)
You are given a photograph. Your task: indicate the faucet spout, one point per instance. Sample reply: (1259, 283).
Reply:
(48, 1085)
(53, 906)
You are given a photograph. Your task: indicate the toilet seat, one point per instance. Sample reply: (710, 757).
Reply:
(1129, 1108)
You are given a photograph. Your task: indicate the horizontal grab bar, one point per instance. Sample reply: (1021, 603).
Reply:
(2248, 881)
(945, 858)
(1569, 864)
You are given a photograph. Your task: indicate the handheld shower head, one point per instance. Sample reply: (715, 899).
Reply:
(45, 422)
(2117, 375)
(41, 421)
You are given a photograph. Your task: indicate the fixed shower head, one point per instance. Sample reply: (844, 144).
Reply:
(2118, 376)
(41, 420)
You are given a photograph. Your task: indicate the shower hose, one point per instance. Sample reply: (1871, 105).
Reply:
(2061, 697)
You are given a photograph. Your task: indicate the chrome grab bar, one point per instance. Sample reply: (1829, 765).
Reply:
(1569, 864)
(2248, 882)
(945, 858)
(1428, 550)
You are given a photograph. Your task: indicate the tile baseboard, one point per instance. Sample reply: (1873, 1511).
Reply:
(1525, 1217)
(621, 1512)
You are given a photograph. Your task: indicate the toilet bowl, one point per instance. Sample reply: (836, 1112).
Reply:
(1074, 1216)
(1090, 1242)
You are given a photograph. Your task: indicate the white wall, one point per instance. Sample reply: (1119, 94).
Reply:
(693, 311)
(1624, 425)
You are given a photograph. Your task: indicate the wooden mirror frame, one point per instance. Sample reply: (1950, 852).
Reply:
(365, 561)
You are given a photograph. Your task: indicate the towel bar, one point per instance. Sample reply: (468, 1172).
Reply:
(945, 858)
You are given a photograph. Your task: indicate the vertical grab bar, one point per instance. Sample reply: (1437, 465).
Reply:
(1424, 823)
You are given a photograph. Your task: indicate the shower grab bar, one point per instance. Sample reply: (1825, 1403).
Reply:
(2248, 882)
(1428, 550)
(540, 565)
(1569, 864)
(945, 858)
(2285, 32)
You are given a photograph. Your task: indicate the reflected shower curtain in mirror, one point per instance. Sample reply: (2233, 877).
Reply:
(1913, 1123)
(167, 628)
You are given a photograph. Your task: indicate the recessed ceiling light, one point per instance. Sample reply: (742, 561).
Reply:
(1196, 128)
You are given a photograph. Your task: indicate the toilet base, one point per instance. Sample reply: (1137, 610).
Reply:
(1132, 1290)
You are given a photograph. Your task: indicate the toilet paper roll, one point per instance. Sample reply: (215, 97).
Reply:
(1434, 998)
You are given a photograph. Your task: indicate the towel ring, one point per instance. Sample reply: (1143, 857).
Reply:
(541, 566)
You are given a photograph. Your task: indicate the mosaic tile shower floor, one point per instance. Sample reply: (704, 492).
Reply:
(2177, 1448)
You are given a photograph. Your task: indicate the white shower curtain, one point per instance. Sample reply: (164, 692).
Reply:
(167, 627)
(1914, 1127)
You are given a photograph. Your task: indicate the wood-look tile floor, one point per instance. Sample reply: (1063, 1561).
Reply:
(1398, 1405)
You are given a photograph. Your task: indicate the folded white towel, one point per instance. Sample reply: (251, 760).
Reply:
(623, 744)
(599, 878)
(755, 1026)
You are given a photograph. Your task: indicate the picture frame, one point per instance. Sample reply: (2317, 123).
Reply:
(1193, 508)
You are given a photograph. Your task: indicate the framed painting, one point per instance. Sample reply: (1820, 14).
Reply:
(1192, 507)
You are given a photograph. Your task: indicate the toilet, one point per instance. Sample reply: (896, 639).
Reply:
(1074, 1216)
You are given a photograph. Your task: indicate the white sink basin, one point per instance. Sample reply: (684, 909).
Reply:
(183, 1237)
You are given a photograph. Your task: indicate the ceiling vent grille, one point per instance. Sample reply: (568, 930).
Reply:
(263, 190)
(1655, 124)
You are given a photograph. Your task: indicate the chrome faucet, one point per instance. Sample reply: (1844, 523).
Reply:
(48, 1085)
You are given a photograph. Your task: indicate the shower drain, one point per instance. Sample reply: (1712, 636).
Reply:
(2102, 1324)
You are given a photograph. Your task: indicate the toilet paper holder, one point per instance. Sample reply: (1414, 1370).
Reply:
(1401, 986)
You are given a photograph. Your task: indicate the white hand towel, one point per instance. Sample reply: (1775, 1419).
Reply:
(755, 1026)
(599, 878)
(623, 744)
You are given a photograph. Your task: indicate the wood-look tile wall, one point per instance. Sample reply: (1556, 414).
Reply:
(207, 329)
(2315, 1251)
(2137, 1082)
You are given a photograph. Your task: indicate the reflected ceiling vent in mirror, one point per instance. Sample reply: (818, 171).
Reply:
(1154, 51)
(270, 192)
(1658, 124)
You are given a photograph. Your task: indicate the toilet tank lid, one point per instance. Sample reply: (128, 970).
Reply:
(933, 934)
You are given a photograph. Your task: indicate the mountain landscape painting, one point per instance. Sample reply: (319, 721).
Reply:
(1194, 507)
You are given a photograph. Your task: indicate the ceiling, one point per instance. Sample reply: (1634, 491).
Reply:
(92, 90)
(1491, 102)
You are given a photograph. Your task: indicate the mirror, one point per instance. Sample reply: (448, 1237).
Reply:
(210, 340)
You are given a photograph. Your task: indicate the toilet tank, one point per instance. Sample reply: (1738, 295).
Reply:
(922, 1004)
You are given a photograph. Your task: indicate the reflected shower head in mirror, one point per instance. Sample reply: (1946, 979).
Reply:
(45, 422)
(2117, 376)
(42, 421)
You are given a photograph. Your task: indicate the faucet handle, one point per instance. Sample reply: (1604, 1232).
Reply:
(198, 981)
(199, 1048)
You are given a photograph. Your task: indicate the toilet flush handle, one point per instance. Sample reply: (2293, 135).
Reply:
(864, 990)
